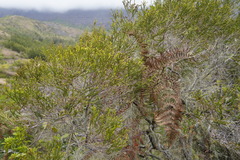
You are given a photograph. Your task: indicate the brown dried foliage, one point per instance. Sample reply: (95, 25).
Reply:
(166, 90)
(162, 60)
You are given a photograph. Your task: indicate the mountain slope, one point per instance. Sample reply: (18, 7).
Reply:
(23, 38)
(76, 18)
(45, 29)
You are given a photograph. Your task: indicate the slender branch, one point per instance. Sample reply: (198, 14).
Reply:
(153, 156)
(156, 145)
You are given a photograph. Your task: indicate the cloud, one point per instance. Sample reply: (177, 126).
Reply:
(63, 5)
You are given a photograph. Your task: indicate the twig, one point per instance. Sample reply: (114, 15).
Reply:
(153, 156)
(156, 145)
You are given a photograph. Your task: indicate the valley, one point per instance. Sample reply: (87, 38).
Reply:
(23, 38)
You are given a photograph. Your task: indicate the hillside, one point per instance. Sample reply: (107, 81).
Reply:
(76, 18)
(21, 24)
(22, 38)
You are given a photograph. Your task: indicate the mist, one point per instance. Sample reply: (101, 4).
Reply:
(64, 5)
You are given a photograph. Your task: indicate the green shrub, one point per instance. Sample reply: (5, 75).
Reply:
(19, 147)
(33, 53)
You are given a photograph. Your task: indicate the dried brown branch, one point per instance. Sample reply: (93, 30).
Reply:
(165, 94)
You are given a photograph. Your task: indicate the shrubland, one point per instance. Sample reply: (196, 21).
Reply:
(31, 45)
(22, 39)
(162, 83)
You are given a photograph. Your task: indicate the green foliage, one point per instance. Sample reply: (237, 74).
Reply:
(110, 127)
(7, 120)
(222, 105)
(70, 82)
(31, 45)
(1, 57)
(172, 24)
(51, 149)
(19, 147)
(93, 57)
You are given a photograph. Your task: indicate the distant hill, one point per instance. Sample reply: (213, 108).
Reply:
(22, 38)
(19, 24)
(75, 18)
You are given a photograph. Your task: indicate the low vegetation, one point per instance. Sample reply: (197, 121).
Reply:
(23, 39)
(30, 45)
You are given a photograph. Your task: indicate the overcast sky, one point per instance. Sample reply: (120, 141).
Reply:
(64, 5)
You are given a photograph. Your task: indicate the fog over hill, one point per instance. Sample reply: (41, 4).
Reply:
(75, 18)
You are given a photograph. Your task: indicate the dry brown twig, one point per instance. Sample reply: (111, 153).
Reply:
(170, 106)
